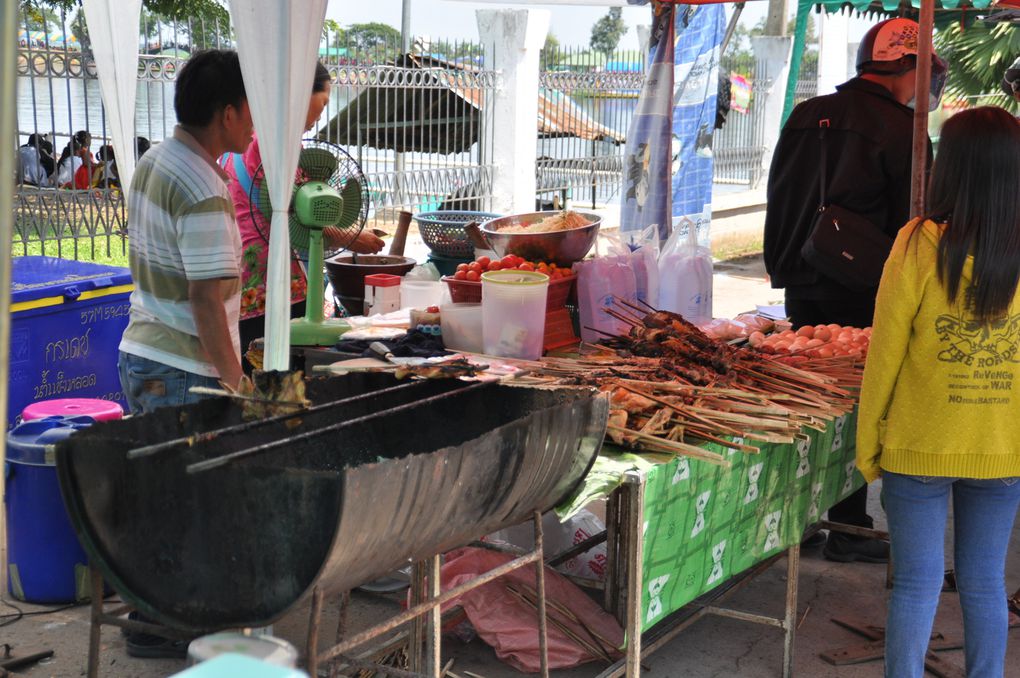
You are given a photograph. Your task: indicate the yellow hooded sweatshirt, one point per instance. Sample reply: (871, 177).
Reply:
(940, 395)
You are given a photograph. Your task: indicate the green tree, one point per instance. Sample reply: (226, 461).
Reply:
(178, 8)
(552, 43)
(607, 31)
(40, 18)
(373, 36)
(978, 55)
(81, 31)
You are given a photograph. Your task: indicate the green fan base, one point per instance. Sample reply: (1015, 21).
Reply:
(304, 332)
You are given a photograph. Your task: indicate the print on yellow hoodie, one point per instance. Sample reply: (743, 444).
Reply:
(940, 395)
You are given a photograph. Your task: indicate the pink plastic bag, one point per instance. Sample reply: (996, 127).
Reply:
(511, 627)
(599, 280)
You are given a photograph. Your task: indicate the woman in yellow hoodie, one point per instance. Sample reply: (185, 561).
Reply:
(940, 403)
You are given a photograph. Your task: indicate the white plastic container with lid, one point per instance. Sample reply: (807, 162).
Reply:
(462, 327)
(382, 293)
(513, 313)
(420, 293)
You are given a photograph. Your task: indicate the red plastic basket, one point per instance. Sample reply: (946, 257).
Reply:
(470, 292)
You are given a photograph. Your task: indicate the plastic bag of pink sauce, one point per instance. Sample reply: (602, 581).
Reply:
(511, 627)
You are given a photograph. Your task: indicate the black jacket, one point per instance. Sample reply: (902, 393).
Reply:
(868, 148)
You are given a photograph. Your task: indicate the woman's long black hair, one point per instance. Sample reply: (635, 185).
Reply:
(975, 189)
(80, 140)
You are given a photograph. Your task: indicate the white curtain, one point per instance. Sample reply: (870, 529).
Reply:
(278, 43)
(113, 32)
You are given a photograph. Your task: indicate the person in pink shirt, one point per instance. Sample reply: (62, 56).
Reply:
(255, 234)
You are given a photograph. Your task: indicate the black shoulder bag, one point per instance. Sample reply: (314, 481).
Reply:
(842, 244)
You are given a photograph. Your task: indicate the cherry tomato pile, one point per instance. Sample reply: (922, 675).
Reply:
(819, 341)
(511, 262)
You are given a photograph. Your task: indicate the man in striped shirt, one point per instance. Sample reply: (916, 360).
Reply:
(185, 248)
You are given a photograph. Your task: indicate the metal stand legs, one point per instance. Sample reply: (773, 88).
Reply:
(424, 616)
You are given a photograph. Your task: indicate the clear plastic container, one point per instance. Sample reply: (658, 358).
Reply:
(513, 313)
(420, 293)
(462, 327)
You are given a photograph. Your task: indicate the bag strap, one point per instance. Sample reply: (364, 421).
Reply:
(823, 125)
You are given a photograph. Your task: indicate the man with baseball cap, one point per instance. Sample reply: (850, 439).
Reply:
(868, 132)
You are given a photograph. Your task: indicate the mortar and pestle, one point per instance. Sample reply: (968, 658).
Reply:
(347, 271)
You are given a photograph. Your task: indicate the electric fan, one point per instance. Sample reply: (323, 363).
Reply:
(330, 194)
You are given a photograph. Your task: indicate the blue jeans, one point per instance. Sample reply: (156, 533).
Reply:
(148, 384)
(983, 513)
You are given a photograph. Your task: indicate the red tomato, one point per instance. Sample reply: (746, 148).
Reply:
(496, 265)
(483, 261)
(473, 276)
(462, 267)
(476, 267)
(509, 261)
(526, 266)
(461, 275)
(432, 309)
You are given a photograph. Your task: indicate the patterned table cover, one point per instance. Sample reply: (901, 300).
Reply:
(705, 524)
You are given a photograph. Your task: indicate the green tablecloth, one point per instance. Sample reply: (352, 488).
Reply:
(705, 523)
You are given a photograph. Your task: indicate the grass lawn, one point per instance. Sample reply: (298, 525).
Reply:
(106, 250)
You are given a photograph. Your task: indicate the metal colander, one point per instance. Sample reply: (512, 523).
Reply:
(444, 232)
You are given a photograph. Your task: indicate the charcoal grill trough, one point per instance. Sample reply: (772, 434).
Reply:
(212, 522)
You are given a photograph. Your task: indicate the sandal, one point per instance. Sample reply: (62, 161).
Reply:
(148, 646)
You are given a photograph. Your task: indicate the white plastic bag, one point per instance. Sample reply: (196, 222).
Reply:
(685, 276)
(599, 282)
(558, 537)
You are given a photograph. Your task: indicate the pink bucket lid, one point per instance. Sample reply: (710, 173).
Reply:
(100, 410)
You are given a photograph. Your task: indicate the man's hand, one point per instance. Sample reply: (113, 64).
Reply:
(365, 243)
(213, 332)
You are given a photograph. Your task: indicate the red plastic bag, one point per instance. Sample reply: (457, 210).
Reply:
(511, 627)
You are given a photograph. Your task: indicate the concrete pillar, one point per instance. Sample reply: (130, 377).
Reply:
(773, 55)
(512, 39)
(832, 51)
(644, 34)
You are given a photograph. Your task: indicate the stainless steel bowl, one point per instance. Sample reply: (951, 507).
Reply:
(562, 247)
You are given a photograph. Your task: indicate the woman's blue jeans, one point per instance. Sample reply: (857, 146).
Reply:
(983, 513)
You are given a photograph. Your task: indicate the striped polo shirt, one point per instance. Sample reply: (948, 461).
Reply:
(181, 227)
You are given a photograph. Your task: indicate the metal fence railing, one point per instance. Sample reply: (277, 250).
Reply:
(58, 95)
(587, 100)
(738, 147)
(413, 119)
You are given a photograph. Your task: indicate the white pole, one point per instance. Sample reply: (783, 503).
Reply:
(8, 129)
(512, 39)
(833, 56)
(399, 164)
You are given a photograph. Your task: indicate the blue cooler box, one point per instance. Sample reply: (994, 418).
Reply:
(45, 562)
(67, 318)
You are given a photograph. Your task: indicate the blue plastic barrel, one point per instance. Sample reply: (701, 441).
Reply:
(45, 562)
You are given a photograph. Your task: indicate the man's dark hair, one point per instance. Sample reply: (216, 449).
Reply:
(975, 190)
(35, 140)
(321, 78)
(209, 82)
(142, 145)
